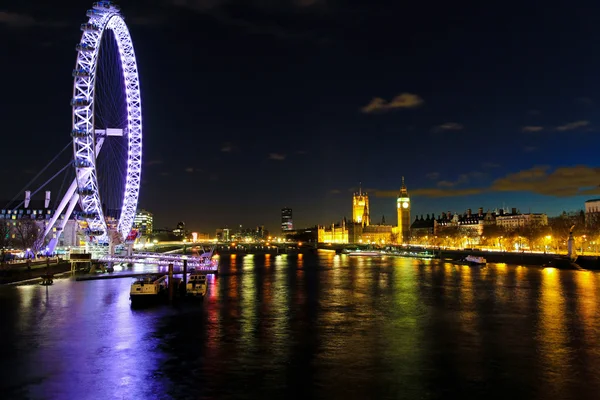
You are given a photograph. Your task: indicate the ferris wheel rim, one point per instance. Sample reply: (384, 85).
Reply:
(104, 16)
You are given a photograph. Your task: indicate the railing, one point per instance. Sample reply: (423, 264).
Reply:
(196, 263)
(163, 256)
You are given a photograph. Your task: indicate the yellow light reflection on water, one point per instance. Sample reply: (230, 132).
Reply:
(468, 323)
(280, 311)
(281, 261)
(551, 333)
(587, 304)
(248, 301)
(404, 323)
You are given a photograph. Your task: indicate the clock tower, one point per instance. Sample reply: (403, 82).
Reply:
(403, 206)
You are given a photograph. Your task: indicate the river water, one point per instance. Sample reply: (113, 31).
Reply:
(312, 326)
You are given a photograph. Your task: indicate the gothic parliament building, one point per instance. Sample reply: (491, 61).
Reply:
(361, 230)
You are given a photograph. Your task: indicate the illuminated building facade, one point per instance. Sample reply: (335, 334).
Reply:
(223, 235)
(403, 207)
(372, 234)
(286, 220)
(336, 233)
(360, 208)
(144, 222)
(517, 220)
(41, 212)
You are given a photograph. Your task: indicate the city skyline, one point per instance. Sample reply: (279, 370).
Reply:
(293, 103)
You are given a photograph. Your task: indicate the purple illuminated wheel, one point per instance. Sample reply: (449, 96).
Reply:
(89, 137)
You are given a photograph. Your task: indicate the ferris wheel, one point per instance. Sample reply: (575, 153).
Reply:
(88, 138)
(105, 52)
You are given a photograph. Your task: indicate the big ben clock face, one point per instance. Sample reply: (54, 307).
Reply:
(405, 204)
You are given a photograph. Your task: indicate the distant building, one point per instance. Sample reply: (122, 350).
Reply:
(306, 235)
(592, 212)
(286, 220)
(144, 222)
(360, 208)
(516, 220)
(200, 237)
(223, 235)
(403, 207)
(371, 234)
(41, 212)
(251, 234)
(592, 206)
(424, 226)
(335, 233)
(180, 230)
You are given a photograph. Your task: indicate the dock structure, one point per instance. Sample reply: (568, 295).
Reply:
(197, 263)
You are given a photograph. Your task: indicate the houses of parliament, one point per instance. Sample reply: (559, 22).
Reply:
(361, 229)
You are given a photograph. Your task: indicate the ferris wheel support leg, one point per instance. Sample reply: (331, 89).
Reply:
(61, 226)
(63, 203)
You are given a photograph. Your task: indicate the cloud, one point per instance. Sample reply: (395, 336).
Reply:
(585, 101)
(403, 100)
(165, 174)
(190, 170)
(273, 5)
(532, 128)
(433, 175)
(560, 182)
(431, 192)
(462, 179)
(15, 20)
(22, 21)
(335, 191)
(448, 126)
(148, 20)
(276, 156)
(226, 148)
(529, 149)
(270, 17)
(437, 192)
(301, 152)
(490, 165)
(572, 125)
(153, 162)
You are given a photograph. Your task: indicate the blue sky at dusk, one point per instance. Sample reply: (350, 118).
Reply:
(257, 105)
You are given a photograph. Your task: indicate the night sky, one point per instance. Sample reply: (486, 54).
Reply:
(251, 106)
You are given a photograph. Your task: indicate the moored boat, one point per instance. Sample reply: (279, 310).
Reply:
(476, 260)
(196, 285)
(364, 253)
(147, 289)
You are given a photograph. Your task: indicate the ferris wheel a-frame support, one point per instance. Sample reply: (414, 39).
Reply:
(71, 197)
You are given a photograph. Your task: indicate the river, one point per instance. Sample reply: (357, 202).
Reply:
(319, 326)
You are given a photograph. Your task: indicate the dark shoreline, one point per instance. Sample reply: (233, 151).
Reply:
(527, 259)
(18, 273)
(592, 263)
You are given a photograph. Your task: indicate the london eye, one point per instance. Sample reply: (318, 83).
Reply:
(106, 127)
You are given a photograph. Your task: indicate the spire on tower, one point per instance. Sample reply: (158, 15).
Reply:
(360, 188)
(403, 186)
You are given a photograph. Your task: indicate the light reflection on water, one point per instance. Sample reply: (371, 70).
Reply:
(325, 326)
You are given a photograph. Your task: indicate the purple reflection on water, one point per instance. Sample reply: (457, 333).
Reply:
(80, 340)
